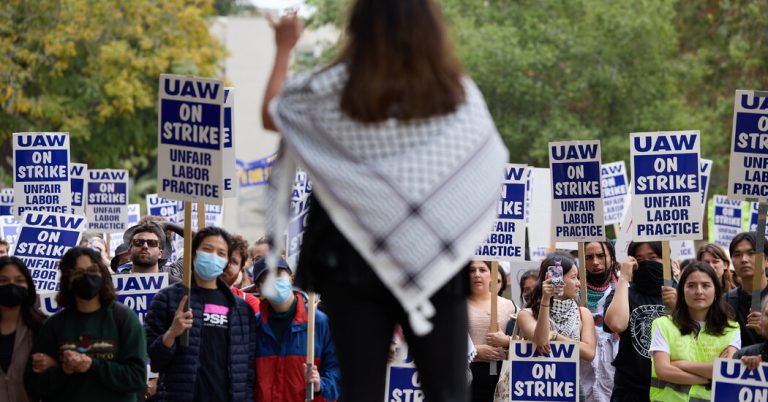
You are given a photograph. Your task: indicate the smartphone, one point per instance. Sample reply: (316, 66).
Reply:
(555, 272)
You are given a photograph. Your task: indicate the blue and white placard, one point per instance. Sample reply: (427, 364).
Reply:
(534, 377)
(615, 191)
(190, 140)
(753, 218)
(577, 201)
(9, 229)
(255, 173)
(6, 202)
(748, 173)
(506, 240)
(733, 381)
(159, 206)
(665, 169)
(78, 173)
(43, 239)
(299, 212)
(214, 215)
(403, 384)
(41, 172)
(228, 148)
(726, 220)
(107, 200)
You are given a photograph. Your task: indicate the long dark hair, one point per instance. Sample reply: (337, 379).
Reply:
(609, 251)
(566, 261)
(717, 315)
(65, 298)
(30, 314)
(400, 62)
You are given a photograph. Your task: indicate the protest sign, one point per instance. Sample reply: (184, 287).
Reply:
(534, 377)
(78, 172)
(189, 152)
(256, 173)
(6, 202)
(135, 291)
(540, 236)
(753, 218)
(9, 229)
(41, 172)
(665, 170)
(403, 384)
(682, 250)
(214, 214)
(705, 171)
(726, 220)
(528, 179)
(43, 239)
(733, 381)
(107, 200)
(159, 206)
(298, 214)
(748, 173)
(577, 201)
(228, 145)
(506, 240)
(615, 191)
(116, 238)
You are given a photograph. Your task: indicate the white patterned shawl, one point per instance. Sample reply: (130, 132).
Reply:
(413, 198)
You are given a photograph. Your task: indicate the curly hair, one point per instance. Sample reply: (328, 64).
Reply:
(65, 298)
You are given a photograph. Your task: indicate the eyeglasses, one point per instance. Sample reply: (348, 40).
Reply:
(92, 270)
(141, 242)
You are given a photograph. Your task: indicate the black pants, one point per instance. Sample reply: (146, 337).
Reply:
(483, 383)
(362, 329)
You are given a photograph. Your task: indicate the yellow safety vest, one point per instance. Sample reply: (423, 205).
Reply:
(703, 349)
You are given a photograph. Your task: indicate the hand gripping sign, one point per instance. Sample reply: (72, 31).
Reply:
(577, 201)
(665, 169)
(43, 239)
(506, 241)
(535, 377)
(733, 381)
(748, 174)
(41, 172)
(190, 141)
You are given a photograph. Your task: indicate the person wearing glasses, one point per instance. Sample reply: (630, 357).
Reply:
(94, 348)
(146, 243)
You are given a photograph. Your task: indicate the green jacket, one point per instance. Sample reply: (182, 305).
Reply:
(118, 369)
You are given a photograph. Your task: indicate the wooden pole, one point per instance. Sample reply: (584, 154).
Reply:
(187, 276)
(200, 215)
(666, 255)
(310, 389)
(583, 273)
(616, 230)
(762, 208)
(494, 296)
(107, 243)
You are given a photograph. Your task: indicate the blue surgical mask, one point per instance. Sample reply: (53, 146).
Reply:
(283, 289)
(209, 265)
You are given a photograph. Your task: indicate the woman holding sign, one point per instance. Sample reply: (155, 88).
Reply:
(20, 320)
(93, 349)
(554, 314)
(685, 343)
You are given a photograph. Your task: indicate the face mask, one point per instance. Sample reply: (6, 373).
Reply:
(283, 289)
(649, 277)
(86, 287)
(209, 265)
(599, 279)
(12, 295)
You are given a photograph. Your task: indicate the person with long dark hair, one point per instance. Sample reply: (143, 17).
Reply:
(685, 343)
(602, 272)
(715, 256)
(405, 163)
(218, 363)
(20, 321)
(93, 349)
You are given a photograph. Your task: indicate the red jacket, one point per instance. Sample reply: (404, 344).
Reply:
(252, 300)
(280, 368)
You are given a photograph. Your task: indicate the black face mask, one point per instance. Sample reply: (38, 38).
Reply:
(86, 287)
(11, 295)
(598, 279)
(649, 277)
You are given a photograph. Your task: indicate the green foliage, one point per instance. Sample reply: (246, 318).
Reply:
(92, 67)
(592, 69)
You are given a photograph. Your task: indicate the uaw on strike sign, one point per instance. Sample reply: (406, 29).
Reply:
(41, 172)
(506, 240)
(189, 152)
(748, 174)
(667, 203)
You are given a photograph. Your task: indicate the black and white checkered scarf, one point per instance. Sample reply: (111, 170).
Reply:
(413, 198)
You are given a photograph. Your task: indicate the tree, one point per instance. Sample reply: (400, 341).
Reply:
(92, 68)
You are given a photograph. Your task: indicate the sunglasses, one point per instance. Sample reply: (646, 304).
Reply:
(141, 242)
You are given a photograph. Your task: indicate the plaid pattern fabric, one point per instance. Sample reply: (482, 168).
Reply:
(414, 198)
